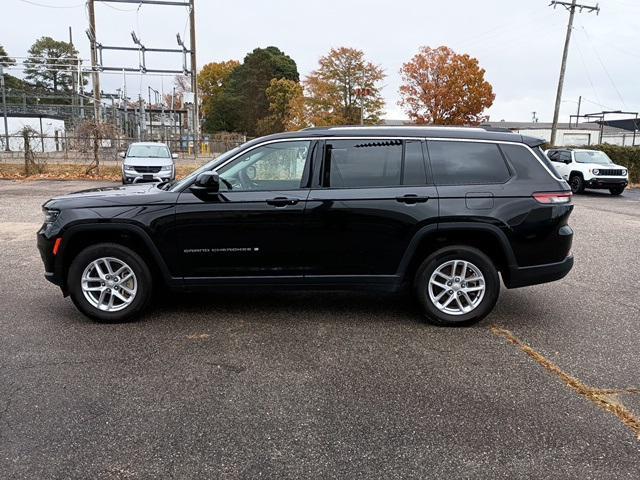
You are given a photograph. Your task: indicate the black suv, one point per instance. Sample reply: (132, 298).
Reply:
(439, 210)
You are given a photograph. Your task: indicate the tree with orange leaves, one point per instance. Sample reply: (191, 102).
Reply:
(442, 87)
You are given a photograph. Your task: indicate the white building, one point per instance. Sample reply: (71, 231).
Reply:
(48, 136)
(570, 134)
(588, 133)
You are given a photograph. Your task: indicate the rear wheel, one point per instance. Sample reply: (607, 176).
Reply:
(109, 282)
(457, 286)
(616, 190)
(577, 184)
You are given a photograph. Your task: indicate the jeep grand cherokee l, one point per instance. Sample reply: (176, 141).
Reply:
(442, 211)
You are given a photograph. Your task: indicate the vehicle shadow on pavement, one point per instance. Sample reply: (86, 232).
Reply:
(265, 306)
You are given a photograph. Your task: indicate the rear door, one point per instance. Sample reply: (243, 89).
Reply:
(561, 160)
(472, 179)
(371, 196)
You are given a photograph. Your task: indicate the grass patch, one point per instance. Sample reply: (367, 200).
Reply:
(57, 171)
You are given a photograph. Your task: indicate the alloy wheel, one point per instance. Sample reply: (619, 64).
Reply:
(456, 287)
(109, 284)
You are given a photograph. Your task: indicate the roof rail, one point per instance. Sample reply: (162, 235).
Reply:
(406, 127)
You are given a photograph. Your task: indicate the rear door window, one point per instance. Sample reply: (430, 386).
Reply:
(554, 155)
(362, 163)
(565, 156)
(466, 163)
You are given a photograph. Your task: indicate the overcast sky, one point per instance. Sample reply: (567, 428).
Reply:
(518, 42)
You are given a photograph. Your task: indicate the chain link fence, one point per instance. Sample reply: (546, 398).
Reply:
(79, 149)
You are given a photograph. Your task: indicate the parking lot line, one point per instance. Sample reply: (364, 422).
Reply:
(606, 399)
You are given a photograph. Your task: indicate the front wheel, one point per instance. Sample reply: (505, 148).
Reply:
(457, 286)
(616, 190)
(109, 282)
(577, 184)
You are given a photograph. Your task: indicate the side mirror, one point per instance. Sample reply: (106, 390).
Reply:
(567, 161)
(206, 182)
(122, 154)
(174, 156)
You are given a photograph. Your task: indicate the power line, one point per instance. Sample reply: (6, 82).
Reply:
(606, 71)
(44, 5)
(586, 69)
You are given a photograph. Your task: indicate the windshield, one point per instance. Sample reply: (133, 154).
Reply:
(592, 156)
(207, 166)
(148, 151)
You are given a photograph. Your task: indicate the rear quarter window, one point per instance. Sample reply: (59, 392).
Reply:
(544, 159)
(467, 163)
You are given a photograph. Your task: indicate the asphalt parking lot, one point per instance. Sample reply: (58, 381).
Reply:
(322, 385)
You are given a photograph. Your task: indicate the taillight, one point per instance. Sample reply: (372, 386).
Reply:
(553, 198)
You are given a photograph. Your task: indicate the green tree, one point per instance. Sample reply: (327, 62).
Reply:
(5, 59)
(212, 81)
(51, 64)
(286, 107)
(343, 85)
(244, 100)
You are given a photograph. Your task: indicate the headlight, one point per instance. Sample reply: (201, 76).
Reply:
(166, 168)
(50, 215)
(129, 168)
(624, 172)
(595, 171)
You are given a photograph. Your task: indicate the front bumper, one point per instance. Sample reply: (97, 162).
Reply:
(52, 269)
(606, 182)
(525, 276)
(128, 178)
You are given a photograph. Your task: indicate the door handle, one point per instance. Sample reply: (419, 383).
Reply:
(412, 198)
(282, 201)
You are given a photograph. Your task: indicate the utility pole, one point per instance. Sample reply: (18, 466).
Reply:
(194, 79)
(4, 111)
(95, 75)
(571, 7)
(73, 80)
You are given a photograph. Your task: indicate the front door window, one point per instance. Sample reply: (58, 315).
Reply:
(276, 166)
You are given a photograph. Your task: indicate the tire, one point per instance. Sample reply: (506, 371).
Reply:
(111, 258)
(577, 184)
(482, 302)
(616, 190)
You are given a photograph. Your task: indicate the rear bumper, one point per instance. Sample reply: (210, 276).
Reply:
(606, 182)
(534, 275)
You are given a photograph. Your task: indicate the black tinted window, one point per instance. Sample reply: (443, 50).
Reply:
(414, 166)
(526, 165)
(457, 163)
(362, 163)
(554, 155)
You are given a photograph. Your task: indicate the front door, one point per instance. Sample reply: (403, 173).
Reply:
(253, 226)
(374, 195)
